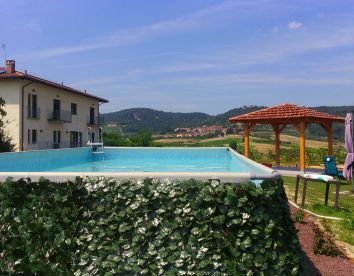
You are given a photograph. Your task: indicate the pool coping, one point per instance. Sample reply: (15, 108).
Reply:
(221, 176)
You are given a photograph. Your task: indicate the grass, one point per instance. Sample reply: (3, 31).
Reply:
(211, 142)
(344, 230)
(217, 143)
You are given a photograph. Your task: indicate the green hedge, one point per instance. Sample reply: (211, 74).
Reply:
(99, 226)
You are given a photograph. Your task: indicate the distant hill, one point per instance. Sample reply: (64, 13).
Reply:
(145, 119)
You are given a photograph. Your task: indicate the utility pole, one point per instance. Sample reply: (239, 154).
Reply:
(3, 47)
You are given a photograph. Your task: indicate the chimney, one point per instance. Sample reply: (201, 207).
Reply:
(10, 66)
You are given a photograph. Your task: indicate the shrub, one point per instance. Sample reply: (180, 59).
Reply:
(98, 226)
(37, 226)
(324, 244)
(299, 216)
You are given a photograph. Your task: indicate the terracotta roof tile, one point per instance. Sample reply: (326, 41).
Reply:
(286, 112)
(21, 75)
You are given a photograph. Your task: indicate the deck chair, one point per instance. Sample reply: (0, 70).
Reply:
(331, 167)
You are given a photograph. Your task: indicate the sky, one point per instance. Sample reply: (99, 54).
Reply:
(188, 55)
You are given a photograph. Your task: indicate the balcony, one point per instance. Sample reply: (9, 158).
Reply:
(92, 121)
(60, 116)
(33, 113)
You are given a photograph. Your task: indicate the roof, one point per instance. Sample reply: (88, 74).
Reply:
(286, 113)
(25, 76)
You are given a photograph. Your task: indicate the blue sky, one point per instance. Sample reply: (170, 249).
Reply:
(188, 55)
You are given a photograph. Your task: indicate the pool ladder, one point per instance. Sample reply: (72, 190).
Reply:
(97, 148)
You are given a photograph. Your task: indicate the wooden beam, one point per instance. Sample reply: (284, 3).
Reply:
(282, 127)
(302, 130)
(277, 130)
(327, 126)
(297, 126)
(324, 126)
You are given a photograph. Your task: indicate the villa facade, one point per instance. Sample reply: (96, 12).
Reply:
(42, 114)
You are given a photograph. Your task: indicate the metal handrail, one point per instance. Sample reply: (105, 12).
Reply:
(92, 121)
(59, 116)
(33, 113)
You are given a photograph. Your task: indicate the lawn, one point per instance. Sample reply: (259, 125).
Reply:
(344, 230)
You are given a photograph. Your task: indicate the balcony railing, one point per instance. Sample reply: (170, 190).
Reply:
(92, 121)
(42, 145)
(59, 116)
(33, 113)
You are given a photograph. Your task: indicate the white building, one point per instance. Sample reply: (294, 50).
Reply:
(42, 114)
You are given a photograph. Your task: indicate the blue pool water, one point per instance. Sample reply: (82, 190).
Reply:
(127, 160)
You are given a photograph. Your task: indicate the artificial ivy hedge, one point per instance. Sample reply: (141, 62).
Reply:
(98, 226)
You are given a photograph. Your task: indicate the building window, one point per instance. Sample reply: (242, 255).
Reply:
(75, 139)
(73, 109)
(56, 139)
(32, 109)
(92, 116)
(32, 136)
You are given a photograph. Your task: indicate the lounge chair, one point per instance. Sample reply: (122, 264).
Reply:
(331, 167)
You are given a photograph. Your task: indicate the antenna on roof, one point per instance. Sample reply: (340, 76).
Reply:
(3, 47)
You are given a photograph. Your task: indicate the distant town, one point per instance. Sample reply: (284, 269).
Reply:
(201, 132)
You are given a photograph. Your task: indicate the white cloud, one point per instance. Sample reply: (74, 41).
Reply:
(122, 37)
(189, 67)
(294, 25)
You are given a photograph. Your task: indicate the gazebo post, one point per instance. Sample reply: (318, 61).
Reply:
(302, 130)
(276, 130)
(330, 139)
(247, 140)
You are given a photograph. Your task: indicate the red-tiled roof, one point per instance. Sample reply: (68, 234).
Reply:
(25, 76)
(285, 112)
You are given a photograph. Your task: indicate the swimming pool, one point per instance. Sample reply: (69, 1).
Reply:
(218, 163)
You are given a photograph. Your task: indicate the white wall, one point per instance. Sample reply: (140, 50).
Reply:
(10, 92)
(45, 128)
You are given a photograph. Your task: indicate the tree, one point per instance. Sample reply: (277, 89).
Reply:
(233, 145)
(142, 139)
(114, 140)
(5, 141)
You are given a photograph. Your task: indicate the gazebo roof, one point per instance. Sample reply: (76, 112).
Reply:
(286, 113)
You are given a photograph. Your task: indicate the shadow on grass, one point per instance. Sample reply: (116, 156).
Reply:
(331, 211)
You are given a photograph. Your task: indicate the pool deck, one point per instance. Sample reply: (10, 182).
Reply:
(224, 177)
(65, 176)
(288, 171)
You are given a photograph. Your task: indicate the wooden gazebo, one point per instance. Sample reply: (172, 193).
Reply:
(288, 114)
